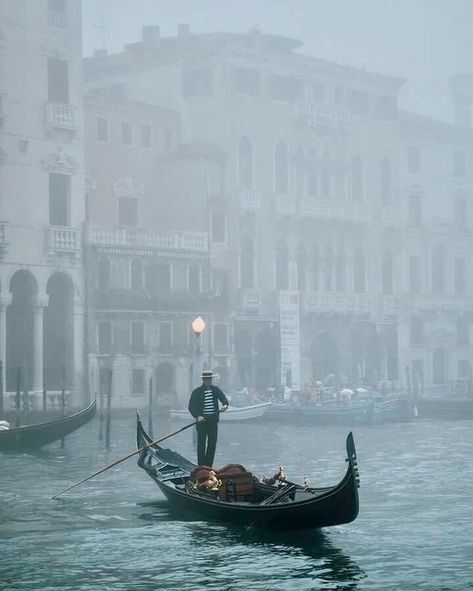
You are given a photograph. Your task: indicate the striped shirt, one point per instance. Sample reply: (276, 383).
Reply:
(209, 403)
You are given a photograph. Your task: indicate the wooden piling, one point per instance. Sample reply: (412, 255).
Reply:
(63, 400)
(109, 409)
(1, 388)
(18, 396)
(44, 399)
(150, 406)
(101, 413)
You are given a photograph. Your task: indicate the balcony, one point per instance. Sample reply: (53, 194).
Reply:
(140, 300)
(137, 238)
(354, 211)
(322, 117)
(285, 205)
(57, 20)
(64, 240)
(335, 303)
(250, 301)
(3, 238)
(250, 200)
(438, 302)
(390, 215)
(61, 116)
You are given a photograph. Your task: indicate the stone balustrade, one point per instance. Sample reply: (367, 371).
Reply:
(138, 238)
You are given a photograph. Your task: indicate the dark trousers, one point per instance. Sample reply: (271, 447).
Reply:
(207, 432)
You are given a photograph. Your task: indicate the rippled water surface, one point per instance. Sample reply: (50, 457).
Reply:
(414, 530)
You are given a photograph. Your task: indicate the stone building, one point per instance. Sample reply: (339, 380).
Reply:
(42, 196)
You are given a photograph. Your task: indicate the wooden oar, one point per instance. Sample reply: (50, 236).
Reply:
(125, 458)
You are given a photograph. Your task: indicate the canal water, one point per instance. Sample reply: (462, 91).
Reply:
(115, 532)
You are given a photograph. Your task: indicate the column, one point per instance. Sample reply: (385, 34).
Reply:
(77, 380)
(41, 304)
(5, 301)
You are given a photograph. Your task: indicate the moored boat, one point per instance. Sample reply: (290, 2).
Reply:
(32, 437)
(288, 506)
(233, 413)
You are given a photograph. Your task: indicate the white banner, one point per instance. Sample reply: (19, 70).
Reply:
(290, 339)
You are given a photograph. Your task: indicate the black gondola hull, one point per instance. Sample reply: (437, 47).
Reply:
(35, 436)
(315, 509)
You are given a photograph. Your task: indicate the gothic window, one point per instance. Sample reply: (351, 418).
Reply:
(299, 169)
(245, 160)
(387, 274)
(58, 81)
(59, 199)
(281, 172)
(247, 263)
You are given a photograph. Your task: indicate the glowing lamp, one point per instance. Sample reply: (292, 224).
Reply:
(198, 325)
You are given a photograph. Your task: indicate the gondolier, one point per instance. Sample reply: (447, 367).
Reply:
(203, 406)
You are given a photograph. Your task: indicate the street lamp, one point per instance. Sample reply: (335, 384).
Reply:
(198, 327)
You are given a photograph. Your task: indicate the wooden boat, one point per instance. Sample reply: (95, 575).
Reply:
(289, 506)
(444, 408)
(35, 436)
(233, 413)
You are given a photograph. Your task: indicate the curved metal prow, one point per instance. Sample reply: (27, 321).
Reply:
(351, 457)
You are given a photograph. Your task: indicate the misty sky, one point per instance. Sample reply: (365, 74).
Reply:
(423, 41)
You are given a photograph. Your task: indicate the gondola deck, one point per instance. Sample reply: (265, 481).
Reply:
(289, 506)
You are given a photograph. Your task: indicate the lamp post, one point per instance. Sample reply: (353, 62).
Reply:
(198, 327)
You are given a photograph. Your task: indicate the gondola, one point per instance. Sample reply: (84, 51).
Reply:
(288, 506)
(34, 436)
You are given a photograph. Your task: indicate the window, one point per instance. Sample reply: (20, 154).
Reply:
(247, 81)
(413, 159)
(58, 6)
(459, 164)
(312, 176)
(158, 276)
(385, 181)
(415, 275)
(58, 81)
(359, 103)
(193, 278)
(417, 330)
(165, 337)
(357, 189)
(247, 263)
(281, 172)
(146, 136)
(105, 337)
(438, 269)
(282, 265)
(284, 88)
(302, 268)
(459, 276)
(102, 129)
(459, 213)
(138, 379)
(127, 133)
(103, 274)
(197, 82)
(359, 272)
(414, 214)
(136, 274)
(245, 164)
(59, 198)
(127, 211)
(463, 331)
(387, 274)
(137, 336)
(220, 335)
(121, 337)
(220, 282)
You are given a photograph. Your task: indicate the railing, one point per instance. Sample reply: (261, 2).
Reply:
(64, 239)
(3, 238)
(285, 204)
(335, 209)
(125, 299)
(136, 238)
(250, 200)
(250, 300)
(335, 302)
(328, 117)
(57, 20)
(62, 116)
(439, 302)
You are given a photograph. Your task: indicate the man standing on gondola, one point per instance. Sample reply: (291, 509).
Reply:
(203, 406)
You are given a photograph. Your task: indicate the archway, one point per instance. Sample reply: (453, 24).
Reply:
(20, 329)
(58, 333)
(165, 380)
(324, 355)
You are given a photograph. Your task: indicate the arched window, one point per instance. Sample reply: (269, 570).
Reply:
(281, 169)
(340, 271)
(158, 276)
(299, 169)
(438, 366)
(315, 268)
(385, 181)
(312, 176)
(357, 190)
(136, 274)
(282, 265)
(359, 272)
(245, 164)
(247, 263)
(302, 268)
(438, 269)
(387, 274)
(328, 268)
(193, 278)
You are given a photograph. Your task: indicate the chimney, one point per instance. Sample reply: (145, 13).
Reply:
(183, 30)
(100, 53)
(151, 36)
(461, 90)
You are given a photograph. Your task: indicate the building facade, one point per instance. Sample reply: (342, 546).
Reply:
(42, 196)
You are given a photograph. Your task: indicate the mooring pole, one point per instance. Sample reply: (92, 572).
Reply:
(1, 387)
(109, 409)
(150, 405)
(63, 400)
(18, 396)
